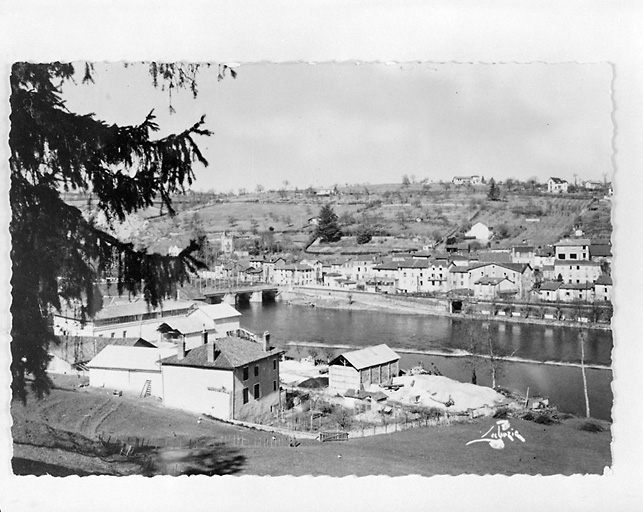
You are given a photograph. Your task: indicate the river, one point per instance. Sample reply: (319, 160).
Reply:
(443, 338)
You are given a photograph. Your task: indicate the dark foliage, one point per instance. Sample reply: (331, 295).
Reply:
(494, 192)
(57, 253)
(328, 227)
(591, 426)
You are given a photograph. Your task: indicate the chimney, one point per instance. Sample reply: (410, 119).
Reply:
(209, 348)
(180, 353)
(265, 341)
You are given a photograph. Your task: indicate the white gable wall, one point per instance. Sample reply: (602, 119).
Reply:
(198, 390)
(127, 381)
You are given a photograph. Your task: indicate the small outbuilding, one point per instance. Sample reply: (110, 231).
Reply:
(133, 370)
(361, 368)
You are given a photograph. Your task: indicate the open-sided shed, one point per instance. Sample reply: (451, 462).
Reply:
(361, 368)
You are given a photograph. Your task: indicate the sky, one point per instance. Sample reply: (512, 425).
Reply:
(337, 123)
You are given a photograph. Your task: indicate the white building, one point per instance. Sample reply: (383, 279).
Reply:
(480, 232)
(557, 186)
(232, 378)
(362, 368)
(132, 370)
(175, 319)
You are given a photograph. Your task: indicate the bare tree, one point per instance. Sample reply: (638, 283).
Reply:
(582, 337)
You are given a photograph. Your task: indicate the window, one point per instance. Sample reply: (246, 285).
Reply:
(124, 334)
(561, 256)
(274, 385)
(572, 256)
(256, 371)
(577, 267)
(205, 337)
(274, 364)
(245, 374)
(256, 392)
(245, 395)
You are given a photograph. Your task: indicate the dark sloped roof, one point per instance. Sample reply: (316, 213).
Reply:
(600, 250)
(230, 353)
(491, 280)
(604, 280)
(550, 285)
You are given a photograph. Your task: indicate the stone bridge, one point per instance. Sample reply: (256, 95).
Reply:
(242, 293)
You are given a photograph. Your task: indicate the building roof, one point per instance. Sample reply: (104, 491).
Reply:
(130, 358)
(491, 280)
(494, 257)
(369, 356)
(389, 265)
(601, 250)
(229, 353)
(576, 286)
(572, 242)
(523, 248)
(550, 286)
(557, 180)
(219, 311)
(582, 263)
(604, 280)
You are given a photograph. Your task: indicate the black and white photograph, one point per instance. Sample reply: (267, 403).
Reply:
(372, 257)
(295, 269)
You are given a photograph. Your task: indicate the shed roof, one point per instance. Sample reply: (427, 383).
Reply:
(369, 356)
(130, 358)
(604, 280)
(572, 242)
(550, 286)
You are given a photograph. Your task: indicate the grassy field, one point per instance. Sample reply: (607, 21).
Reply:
(59, 435)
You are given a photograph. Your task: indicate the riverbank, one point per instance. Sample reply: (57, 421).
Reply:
(350, 300)
(53, 435)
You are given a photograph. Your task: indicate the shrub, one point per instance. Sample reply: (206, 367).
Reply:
(545, 419)
(501, 413)
(529, 416)
(591, 426)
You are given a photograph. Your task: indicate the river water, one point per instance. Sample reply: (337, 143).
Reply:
(443, 338)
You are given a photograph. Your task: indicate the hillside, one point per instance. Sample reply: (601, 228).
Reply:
(414, 215)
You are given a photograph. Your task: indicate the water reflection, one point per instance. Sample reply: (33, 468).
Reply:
(535, 342)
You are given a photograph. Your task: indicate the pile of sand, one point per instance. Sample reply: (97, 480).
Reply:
(293, 372)
(437, 391)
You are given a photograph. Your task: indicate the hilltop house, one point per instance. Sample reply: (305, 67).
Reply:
(230, 378)
(360, 368)
(557, 186)
(480, 232)
(467, 180)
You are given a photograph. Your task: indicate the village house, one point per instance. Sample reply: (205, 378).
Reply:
(576, 272)
(480, 232)
(467, 180)
(521, 277)
(523, 254)
(318, 269)
(360, 369)
(230, 378)
(268, 267)
(576, 292)
(557, 186)
(294, 274)
(494, 287)
(548, 291)
(572, 249)
(603, 289)
(600, 250)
